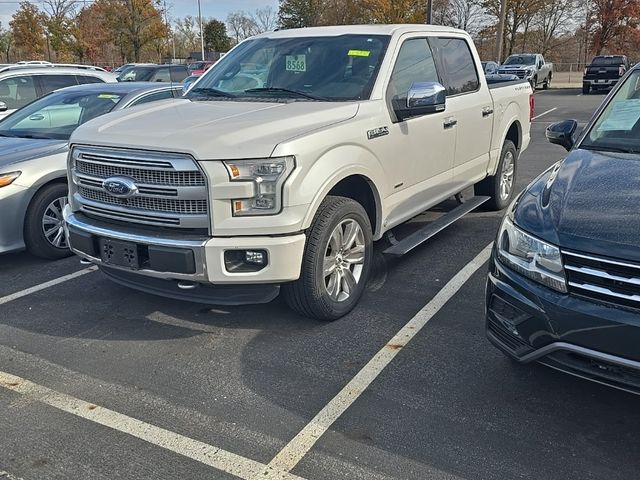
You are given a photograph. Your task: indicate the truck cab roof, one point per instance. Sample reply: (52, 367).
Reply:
(359, 30)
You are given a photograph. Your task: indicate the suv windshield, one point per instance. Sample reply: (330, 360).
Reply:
(521, 60)
(304, 68)
(618, 127)
(57, 115)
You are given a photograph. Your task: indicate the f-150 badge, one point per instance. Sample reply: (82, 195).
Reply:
(377, 132)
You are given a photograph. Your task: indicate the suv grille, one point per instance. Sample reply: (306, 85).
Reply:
(613, 281)
(171, 188)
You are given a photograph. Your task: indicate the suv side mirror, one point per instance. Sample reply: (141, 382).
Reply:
(423, 98)
(562, 133)
(3, 107)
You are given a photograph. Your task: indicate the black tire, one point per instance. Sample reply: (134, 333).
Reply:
(534, 83)
(585, 89)
(34, 235)
(546, 83)
(309, 295)
(491, 186)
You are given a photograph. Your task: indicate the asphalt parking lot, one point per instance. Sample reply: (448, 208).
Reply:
(102, 382)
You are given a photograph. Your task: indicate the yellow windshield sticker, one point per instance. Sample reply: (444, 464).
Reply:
(108, 95)
(359, 53)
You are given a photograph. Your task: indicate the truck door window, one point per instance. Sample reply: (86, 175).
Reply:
(459, 66)
(414, 64)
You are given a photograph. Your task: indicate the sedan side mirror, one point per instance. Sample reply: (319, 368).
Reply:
(423, 98)
(562, 133)
(3, 107)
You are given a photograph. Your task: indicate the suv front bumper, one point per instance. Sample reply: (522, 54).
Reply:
(185, 257)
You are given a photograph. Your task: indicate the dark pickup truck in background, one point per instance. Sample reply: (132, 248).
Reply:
(604, 72)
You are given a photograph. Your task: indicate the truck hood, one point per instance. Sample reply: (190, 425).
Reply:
(516, 67)
(215, 129)
(588, 203)
(16, 150)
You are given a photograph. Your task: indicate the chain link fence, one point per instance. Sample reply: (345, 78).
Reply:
(567, 75)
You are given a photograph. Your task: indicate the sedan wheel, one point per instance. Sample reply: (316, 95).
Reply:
(53, 223)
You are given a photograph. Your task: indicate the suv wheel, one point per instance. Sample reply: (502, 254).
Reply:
(43, 225)
(501, 186)
(336, 263)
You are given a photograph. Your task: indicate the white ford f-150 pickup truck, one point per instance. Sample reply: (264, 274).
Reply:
(288, 158)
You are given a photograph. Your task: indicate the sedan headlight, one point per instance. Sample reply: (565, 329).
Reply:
(530, 256)
(268, 176)
(8, 178)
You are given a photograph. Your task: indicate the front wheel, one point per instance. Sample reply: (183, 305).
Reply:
(534, 83)
(336, 263)
(501, 186)
(585, 89)
(547, 83)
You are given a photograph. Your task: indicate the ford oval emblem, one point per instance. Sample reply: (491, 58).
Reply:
(121, 187)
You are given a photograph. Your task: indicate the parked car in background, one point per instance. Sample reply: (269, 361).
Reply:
(198, 68)
(187, 82)
(490, 68)
(20, 85)
(529, 66)
(154, 73)
(603, 72)
(33, 152)
(126, 66)
(564, 281)
(283, 173)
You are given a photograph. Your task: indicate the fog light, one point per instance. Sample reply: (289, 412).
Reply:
(245, 261)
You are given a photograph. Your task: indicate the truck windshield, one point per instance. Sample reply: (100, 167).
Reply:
(337, 68)
(618, 127)
(521, 60)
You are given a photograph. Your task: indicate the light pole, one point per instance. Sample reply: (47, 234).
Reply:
(429, 12)
(201, 36)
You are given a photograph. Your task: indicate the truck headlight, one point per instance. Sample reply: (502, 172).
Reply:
(8, 178)
(531, 257)
(268, 175)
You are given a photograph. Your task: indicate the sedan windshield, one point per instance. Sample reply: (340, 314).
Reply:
(521, 60)
(57, 115)
(618, 127)
(303, 68)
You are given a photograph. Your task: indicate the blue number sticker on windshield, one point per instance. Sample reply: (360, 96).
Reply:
(296, 63)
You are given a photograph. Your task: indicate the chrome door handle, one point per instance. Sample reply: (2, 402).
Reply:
(449, 123)
(486, 111)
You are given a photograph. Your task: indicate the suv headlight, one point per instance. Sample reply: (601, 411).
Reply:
(531, 257)
(268, 176)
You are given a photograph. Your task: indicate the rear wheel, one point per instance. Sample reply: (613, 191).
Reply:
(43, 225)
(547, 83)
(585, 89)
(336, 262)
(500, 187)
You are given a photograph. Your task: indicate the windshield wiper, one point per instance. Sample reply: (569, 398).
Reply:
(283, 90)
(603, 148)
(212, 92)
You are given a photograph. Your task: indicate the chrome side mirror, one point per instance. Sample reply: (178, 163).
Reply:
(423, 98)
(3, 107)
(562, 133)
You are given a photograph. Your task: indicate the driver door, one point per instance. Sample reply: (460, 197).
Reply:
(421, 149)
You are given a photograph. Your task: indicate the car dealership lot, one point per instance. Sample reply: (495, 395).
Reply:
(112, 383)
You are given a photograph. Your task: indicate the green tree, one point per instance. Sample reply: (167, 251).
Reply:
(215, 36)
(28, 31)
(300, 13)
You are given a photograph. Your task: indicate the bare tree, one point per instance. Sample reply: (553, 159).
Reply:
(265, 19)
(241, 25)
(554, 21)
(467, 15)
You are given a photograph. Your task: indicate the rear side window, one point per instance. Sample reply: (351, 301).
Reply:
(87, 79)
(178, 74)
(16, 92)
(459, 66)
(152, 97)
(50, 83)
(161, 75)
(415, 63)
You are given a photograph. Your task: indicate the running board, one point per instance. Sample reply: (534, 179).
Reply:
(412, 241)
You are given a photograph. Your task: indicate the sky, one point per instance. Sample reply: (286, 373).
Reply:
(177, 8)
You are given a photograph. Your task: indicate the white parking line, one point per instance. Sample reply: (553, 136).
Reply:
(201, 452)
(42, 286)
(300, 445)
(544, 113)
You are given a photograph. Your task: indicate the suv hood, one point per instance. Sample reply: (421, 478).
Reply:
(213, 129)
(588, 203)
(17, 150)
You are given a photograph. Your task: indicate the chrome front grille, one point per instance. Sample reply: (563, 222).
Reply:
(519, 73)
(171, 189)
(609, 280)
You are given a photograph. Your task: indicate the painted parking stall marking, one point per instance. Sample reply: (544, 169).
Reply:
(45, 285)
(199, 451)
(304, 441)
(544, 113)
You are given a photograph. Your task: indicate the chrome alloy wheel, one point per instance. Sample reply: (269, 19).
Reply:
(506, 176)
(53, 223)
(344, 260)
